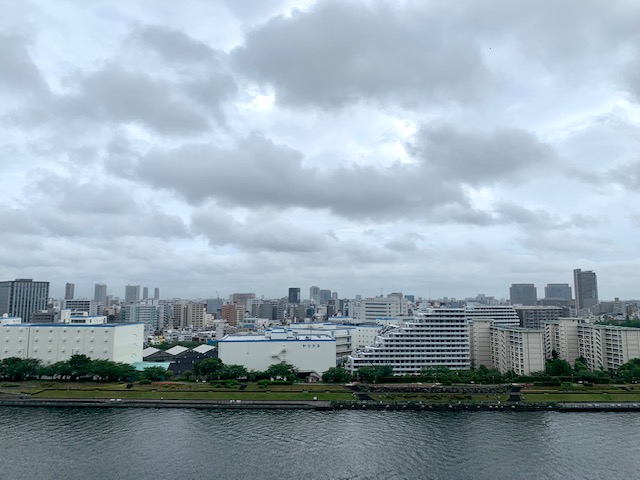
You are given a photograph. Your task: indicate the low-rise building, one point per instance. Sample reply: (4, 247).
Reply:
(55, 342)
(307, 352)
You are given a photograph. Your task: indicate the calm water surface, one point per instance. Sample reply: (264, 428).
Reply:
(204, 444)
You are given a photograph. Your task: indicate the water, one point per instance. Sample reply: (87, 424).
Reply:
(42, 444)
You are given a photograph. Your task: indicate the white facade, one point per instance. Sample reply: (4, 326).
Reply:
(7, 320)
(500, 314)
(434, 338)
(369, 309)
(515, 349)
(349, 338)
(480, 332)
(561, 336)
(54, 342)
(607, 347)
(316, 353)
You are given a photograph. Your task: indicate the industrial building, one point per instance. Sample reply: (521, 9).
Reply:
(55, 342)
(308, 353)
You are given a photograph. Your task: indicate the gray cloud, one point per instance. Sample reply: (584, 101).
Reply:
(174, 46)
(259, 232)
(340, 53)
(481, 158)
(19, 73)
(278, 179)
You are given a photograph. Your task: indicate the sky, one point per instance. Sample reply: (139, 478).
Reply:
(429, 147)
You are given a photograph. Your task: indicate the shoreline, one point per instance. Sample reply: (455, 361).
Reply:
(319, 405)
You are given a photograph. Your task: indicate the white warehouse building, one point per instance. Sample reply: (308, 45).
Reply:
(307, 352)
(55, 342)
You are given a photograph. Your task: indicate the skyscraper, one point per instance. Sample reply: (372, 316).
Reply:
(156, 293)
(523, 294)
(314, 294)
(145, 293)
(69, 291)
(100, 294)
(131, 293)
(294, 295)
(557, 291)
(586, 288)
(22, 297)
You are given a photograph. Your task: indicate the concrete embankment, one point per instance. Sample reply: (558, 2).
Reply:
(319, 405)
(201, 404)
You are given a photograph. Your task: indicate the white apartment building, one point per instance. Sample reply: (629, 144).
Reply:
(516, 349)
(433, 338)
(480, 333)
(393, 305)
(349, 338)
(561, 336)
(607, 347)
(54, 342)
(307, 352)
(500, 314)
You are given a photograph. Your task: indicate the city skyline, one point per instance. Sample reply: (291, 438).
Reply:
(424, 147)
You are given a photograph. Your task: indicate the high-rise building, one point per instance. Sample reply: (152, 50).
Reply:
(22, 297)
(145, 293)
(557, 291)
(100, 294)
(69, 291)
(156, 293)
(523, 294)
(131, 293)
(586, 288)
(325, 296)
(314, 294)
(294, 295)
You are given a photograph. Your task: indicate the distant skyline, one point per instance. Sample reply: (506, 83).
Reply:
(442, 148)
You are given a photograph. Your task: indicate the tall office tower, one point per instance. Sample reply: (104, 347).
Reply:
(325, 296)
(523, 294)
(294, 295)
(585, 288)
(131, 293)
(22, 297)
(68, 291)
(145, 293)
(100, 294)
(156, 293)
(557, 291)
(314, 294)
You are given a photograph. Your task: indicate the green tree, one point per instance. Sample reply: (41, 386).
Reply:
(154, 374)
(580, 364)
(336, 375)
(209, 369)
(372, 373)
(15, 368)
(282, 371)
(233, 372)
(558, 367)
(80, 366)
(629, 371)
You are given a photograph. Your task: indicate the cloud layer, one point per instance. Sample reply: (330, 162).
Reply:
(357, 145)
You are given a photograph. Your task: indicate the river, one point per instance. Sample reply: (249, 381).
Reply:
(168, 444)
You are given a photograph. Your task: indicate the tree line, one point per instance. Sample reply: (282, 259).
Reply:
(78, 367)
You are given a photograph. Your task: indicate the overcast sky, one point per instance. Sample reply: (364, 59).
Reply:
(429, 147)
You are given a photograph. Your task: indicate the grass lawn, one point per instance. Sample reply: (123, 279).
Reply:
(192, 395)
(436, 398)
(582, 397)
